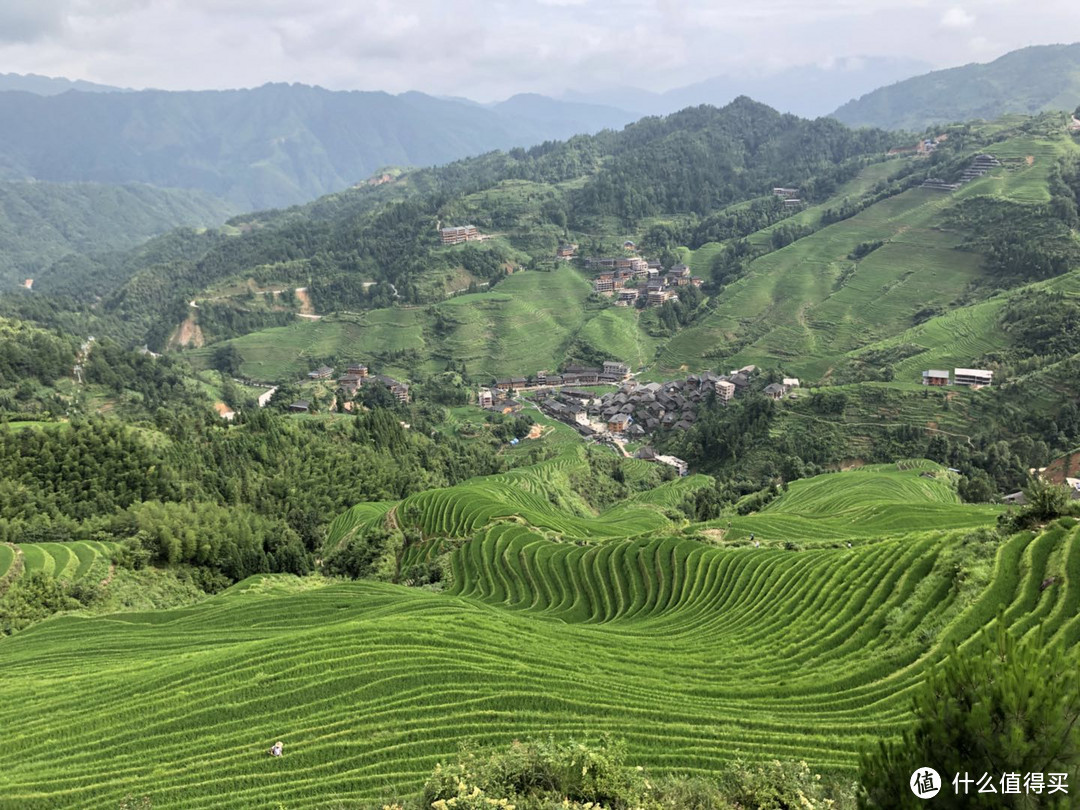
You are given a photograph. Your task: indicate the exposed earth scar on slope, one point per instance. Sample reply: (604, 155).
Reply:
(188, 333)
(307, 308)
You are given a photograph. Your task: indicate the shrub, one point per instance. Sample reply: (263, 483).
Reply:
(570, 775)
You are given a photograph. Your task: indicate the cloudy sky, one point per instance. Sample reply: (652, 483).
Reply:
(489, 49)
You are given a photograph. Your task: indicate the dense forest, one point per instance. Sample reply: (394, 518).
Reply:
(240, 500)
(46, 226)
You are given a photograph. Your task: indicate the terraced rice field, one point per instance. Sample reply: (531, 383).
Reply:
(860, 506)
(807, 305)
(694, 654)
(538, 496)
(66, 561)
(524, 324)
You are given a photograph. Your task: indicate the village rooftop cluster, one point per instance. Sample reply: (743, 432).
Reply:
(355, 377)
(635, 410)
(633, 278)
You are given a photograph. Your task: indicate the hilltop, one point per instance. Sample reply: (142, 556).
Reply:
(378, 575)
(1028, 81)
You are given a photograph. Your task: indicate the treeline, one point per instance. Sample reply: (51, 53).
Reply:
(219, 320)
(1042, 323)
(1021, 243)
(753, 444)
(703, 159)
(77, 471)
(269, 484)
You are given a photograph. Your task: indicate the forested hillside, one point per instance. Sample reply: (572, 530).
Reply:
(1030, 80)
(350, 246)
(45, 225)
(271, 146)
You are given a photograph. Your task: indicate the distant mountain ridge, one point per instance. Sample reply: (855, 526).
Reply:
(52, 85)
(809, 91)
(271, 146)
(1029, 80)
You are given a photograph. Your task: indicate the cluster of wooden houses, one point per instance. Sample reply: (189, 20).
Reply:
(611, 372)
(356, 376)
(972, 377)
(634, 278)
(637, 410)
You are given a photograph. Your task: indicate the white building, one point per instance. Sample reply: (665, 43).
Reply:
(673, 461)
(972, 376)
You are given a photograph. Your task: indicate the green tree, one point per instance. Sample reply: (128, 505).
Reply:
(1045, 499)
(227, 359)
(1011, 707)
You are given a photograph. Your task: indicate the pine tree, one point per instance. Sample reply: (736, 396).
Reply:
(1011, 707)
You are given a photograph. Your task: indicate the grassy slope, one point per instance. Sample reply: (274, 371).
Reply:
(525, 324)
(693, 653)
(807, 305)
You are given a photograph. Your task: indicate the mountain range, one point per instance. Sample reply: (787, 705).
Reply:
(809, 91)
(52, 85)
(270, 146)
(279, 144)
(1029, 80)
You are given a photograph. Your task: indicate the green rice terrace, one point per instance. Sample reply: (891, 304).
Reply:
(684, 639)
(69, 562)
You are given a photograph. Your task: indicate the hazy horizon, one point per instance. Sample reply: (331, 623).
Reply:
(488, 51)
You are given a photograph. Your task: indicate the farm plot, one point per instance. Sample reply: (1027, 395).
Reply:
(691, 653)
(68, 562)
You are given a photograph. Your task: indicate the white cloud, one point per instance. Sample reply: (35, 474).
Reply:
(490, 49)
(956, 17)
(30, 20)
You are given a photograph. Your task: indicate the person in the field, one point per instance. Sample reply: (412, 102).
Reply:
(276, 750)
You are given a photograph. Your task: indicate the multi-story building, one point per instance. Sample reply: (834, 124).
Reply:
(725, 390)
(459, 234)
(972, 376)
